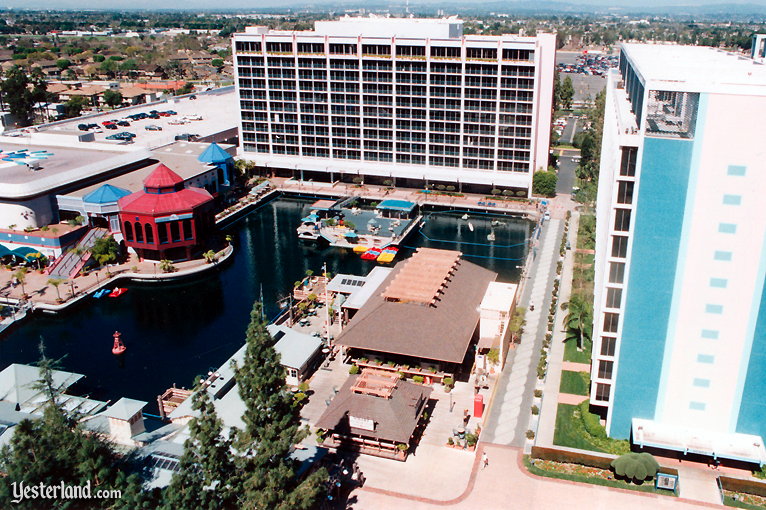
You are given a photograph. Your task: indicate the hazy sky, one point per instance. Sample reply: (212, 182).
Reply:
(243, 4)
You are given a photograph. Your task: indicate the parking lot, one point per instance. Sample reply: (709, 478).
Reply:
(211, 112)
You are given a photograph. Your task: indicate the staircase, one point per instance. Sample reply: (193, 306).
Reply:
(68, 265)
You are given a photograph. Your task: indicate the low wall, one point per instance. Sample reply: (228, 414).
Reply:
(741, 485)
(584, 457)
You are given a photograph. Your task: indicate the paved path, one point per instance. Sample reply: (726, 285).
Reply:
(505, 484)
(571, 365)
(546, 425)
(698, 483)
(510, 407)
(569, 398)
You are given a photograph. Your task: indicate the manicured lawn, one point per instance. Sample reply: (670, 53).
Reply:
(569, 432)
(729, 501)
(572, 354)
(574, 383)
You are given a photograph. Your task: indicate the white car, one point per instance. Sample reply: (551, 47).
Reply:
(178, 122)
(192, 117)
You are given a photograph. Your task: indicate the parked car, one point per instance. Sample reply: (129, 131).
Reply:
(123, 123)
(111, 125)
(82, 127)
(171, 112)
(192, 117)
(153, 115)
(187, 137)
(193, 97)
(124, 136)
(153, 127)
(178, 122)
(107, 122)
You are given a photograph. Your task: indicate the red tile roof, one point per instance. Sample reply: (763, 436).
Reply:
(162, 177)
(166, 203)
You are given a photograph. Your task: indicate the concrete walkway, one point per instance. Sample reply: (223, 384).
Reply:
(571, 366)
(698, 483)
(504, 484)
(510, 407)
(568, 398)
(546, 425)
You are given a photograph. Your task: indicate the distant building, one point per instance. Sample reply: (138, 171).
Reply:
(679, 345)
(413, 101)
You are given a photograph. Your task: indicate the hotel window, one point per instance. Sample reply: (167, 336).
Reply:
(608, 344)
(162, 233)
(605, 369)
(616, 272)
(625, 192)
(611, 322)
(613, 297)
(602, 392)
(343, 49)
(628, 162)
(175, 231)
(619, 246)
(279, 47)
(622, 220)
(187, 228)
(440, 51)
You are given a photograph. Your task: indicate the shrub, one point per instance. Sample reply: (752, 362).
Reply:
(530, 434)
(538, 393)
(448, 381)
(471, 439)
(403, 447)
(591, 421)
(450, 441)
(353, 370)
(303, 387)
(636, 466)
(418, 379)
(535, 410)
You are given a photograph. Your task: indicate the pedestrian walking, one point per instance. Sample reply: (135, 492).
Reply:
(484, 460)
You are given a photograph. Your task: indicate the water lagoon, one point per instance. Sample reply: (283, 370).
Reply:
(176, 331)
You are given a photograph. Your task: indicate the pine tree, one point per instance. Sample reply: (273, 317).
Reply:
(206, 469)
(54, 449)
(272, 426)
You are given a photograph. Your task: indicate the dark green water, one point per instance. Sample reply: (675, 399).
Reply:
(175, 331)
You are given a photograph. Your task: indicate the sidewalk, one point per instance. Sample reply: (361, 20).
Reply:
(547, 424)
(509, 413)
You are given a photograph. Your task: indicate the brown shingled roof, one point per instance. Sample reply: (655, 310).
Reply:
(442, 332)
(394, 418)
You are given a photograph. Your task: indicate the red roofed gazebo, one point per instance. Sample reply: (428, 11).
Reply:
(166, 220)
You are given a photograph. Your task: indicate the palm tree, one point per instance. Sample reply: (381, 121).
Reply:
(166, 266)
(21, 276)
(229, 239)
(209, 256)
(578, 321)
(56, 282)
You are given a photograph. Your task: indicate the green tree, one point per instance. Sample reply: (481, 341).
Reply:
(217, 62)
(17, 95)
(204, 480)
(75, 105)
(544, 183)
(98, 58)
(63, 63)
(636, 466)
(266, 471)
(566, 93)
(113, 98)
(578, 321)
(21, 277)
(53, 449)
(56, 282)
(105, 250)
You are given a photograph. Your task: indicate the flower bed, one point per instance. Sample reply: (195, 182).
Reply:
(743, 500)
(586, 474)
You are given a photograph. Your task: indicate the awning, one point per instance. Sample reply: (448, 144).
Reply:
(724, 445)
(351, 234)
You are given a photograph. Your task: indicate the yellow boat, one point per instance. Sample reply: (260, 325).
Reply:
(360, 248)
(386, 257)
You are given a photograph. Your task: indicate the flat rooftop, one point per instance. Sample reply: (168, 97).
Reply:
(695, 68)
(218, 108)
(27, 170)
(181, 157)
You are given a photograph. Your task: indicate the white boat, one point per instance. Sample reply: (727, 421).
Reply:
(496, 223)
(464, 217)
(491, 236)
(309, 235)
(470, 226)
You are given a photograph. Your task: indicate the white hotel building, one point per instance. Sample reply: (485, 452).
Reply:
(679, 338)
(413, 101)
